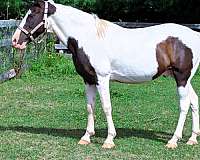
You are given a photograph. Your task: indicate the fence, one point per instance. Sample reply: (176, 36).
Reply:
(9, 58)
(142, 25)
(6, 30)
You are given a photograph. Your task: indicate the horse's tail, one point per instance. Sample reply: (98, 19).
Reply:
(197, 61)
(195, 67)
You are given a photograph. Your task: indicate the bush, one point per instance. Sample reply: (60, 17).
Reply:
(52, 65)
(14, 9)
(150, 10)
(85, 5)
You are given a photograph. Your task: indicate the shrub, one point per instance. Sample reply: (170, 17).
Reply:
(14, 9)
(86, 5)
(52, 65)
(179, 11)
(150, 10)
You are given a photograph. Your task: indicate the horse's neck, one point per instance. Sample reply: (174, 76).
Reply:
(70, 22)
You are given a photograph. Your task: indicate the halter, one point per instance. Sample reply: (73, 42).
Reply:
(44, 22)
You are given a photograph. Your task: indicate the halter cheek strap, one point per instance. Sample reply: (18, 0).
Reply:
(45, 14)
(44, 22)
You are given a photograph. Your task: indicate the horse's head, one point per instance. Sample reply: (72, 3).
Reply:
(33, 24)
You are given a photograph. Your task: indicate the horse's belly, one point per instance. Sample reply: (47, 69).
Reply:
(130, 79)
(134, 67)
(133, 74)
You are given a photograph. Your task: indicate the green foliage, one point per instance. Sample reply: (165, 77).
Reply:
(86, 5)
(16, 9)
(13, 9)
(52, 65)
(179, 11)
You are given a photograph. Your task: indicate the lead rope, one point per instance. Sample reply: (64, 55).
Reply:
(19, 69)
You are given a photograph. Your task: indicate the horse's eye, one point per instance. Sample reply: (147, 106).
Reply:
(31, 16)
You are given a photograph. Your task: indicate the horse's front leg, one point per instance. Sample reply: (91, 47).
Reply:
(90, 94)
(103, 89)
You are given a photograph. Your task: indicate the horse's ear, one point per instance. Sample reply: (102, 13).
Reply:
(52, 9)
(38, 3)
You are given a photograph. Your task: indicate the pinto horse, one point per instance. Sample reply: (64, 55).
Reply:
(103, 51)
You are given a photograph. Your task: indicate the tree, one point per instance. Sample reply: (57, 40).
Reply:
(187, 11)
(179, 11)
(13, 9)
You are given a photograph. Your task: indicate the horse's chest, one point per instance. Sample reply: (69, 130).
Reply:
(82, 63)
(84, 69)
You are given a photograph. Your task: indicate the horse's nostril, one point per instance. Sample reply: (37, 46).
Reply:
(14, 42)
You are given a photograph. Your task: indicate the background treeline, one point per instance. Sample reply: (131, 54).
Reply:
(180, 11)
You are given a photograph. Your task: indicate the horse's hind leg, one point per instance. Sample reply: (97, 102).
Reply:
(195, 116)
(90, 94)
(183, 67)
(183, 92)
(187, 97)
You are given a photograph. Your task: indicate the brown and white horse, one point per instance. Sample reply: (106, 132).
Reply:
(103, 51)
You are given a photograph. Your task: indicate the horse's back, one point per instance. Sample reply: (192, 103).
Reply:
(141, 43)
(133, 51)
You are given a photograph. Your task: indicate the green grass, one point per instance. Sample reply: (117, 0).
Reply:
(44, 117)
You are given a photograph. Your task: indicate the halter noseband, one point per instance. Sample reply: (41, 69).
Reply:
(44, 22)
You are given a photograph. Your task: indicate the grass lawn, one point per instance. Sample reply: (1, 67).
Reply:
(44, 118)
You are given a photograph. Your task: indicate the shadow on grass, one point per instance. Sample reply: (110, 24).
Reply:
(77, 133)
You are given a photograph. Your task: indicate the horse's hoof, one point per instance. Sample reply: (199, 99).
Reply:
(108, 146)
(171, 145)
(191, 143)
(83, 142)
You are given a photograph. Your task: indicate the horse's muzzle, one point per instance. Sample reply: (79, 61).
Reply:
(18, 46)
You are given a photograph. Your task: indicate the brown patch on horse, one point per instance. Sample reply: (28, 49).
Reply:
(82, 63)
(174, 59)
